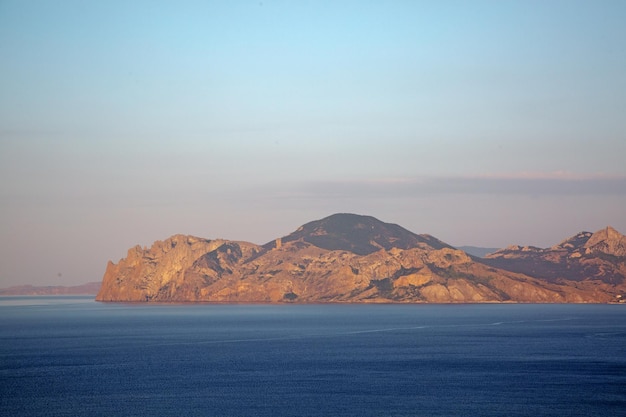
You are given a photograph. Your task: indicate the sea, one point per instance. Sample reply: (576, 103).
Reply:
(72, 356)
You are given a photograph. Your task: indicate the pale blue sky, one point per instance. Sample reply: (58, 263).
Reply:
(480, 122)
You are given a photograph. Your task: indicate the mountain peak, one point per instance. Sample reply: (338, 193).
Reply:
(608, 241)
(359, 234)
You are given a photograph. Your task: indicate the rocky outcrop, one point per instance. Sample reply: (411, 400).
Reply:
(607, 241)
(342, 258)
(157, 272)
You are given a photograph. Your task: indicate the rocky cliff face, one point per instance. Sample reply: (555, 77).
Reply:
(342, 258)
(156, 272)
(607, 241)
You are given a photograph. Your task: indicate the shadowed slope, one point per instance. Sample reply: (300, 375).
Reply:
(359, 234)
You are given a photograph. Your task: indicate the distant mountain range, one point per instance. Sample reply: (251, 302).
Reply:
(477, 251)
(348, 258)
(91, 288)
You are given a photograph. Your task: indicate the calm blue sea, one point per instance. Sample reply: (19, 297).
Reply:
(71, 356)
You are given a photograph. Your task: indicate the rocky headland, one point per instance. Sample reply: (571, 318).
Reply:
(347, 258)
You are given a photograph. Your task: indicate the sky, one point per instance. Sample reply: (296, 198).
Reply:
(484, 123)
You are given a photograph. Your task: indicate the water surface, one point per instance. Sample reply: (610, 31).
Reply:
(70, 356)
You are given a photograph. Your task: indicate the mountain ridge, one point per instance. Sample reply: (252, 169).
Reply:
(347, 258)
(600, 255)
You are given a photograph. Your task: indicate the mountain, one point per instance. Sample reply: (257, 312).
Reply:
(599, 256)
(89, 288)
(477, 251)
(341, 258)
(358, 234)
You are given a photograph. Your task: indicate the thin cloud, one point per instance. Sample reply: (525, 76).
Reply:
(519, 184)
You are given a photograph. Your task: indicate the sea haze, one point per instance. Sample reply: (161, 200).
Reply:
(70, 356)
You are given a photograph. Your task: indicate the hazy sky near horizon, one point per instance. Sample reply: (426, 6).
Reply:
(483, 123)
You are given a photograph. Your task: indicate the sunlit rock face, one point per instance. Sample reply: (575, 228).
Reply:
(351, 258)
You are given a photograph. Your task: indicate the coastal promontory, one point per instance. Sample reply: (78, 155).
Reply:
(347, 258)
